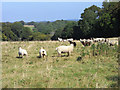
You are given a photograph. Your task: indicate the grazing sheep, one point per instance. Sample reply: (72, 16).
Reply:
(22, 52)
(42, 52)
(65, 49)
(86, 42)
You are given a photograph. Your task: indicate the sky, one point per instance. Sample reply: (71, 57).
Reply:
(43, 11)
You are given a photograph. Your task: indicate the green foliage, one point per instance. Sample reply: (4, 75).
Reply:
(37, 36)
(8, 34)
(48, 27)
(4, 38)
(31, 23)
(68, 30)
(22, 22)
(17, 27)
(93, 49)
(26, 32)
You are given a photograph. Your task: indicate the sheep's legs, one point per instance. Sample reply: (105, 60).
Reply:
(19, 55)
(68, 54)
(59, 54)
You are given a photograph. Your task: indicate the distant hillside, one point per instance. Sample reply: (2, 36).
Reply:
(50, 27)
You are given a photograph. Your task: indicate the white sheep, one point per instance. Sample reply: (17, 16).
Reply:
(65, 49)
(70, 39)
(22, 52)
(60, 39)
(42, 52)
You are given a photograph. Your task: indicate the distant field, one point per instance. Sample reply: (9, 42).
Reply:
(99, 71)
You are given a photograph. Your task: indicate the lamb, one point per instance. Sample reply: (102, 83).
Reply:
(65, 49)
(22, 52)
(42, 53)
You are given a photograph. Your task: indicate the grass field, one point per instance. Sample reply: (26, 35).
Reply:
(56, 72)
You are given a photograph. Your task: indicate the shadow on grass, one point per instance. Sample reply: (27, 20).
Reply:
(18, 57)
(115, 80)
(61, 56)
(79, 58)
(38, 57)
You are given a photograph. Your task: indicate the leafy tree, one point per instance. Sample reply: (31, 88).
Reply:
(4, 38)
(8, 34)
(17, 27)
(22, 22)
(26, 33)
(31, 23)
(39, 36)
(88, 19)
(68, 30)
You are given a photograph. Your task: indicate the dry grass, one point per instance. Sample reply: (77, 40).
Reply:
(53, 71)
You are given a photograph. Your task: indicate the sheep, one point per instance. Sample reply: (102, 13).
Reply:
(65, 49)
(86, 42)
(71, 39)
(60, 39)
(42, 53)
(22, 52)
(112, 42)
(64, 40)
(98, 39)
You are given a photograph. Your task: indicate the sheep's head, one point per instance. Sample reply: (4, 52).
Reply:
(70, 42)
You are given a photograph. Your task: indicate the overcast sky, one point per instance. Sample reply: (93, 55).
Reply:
(43, 11)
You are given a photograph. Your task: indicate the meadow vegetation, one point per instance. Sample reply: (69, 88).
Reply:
(80, 70)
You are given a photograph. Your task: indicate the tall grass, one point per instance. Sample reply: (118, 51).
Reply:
(57, 72)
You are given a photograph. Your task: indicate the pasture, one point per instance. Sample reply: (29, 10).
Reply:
(99, 71)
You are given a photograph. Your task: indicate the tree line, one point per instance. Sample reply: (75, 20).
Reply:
(41, 31)
(94, 22)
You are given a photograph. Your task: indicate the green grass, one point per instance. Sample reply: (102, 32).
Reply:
(56, 72)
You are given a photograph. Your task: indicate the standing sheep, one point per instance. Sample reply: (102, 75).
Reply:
(22, 52)
(42, 52)
(65, 49)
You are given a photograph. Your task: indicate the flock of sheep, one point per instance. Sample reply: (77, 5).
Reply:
(68, 49)
(88, 42)
(43, 53)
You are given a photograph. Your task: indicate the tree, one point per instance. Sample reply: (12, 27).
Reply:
(17, 27)
(88, 19)
(68, 30)
(108, 21)
(39, 36)
(26, 33)
(8, 34)
(22, 22)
